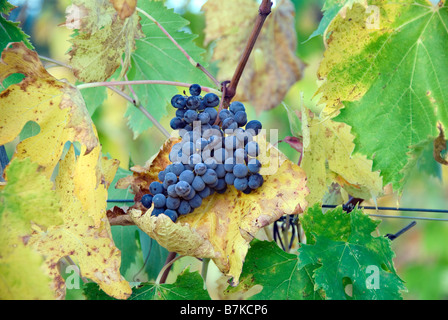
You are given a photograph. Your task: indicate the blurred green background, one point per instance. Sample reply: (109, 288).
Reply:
(421, 254)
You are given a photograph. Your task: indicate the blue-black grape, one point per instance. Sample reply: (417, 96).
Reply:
(180, 113)
(146, 200)
(213, 114)
(205, 193)
(252, 149)
(190, 116)
(229, 124)
(155, 188)
(177, 123)
(170, 178)
(229, 178)
(254, 165)
(172, 203)
(184, 207)
(171, 214)
(210, 176)
(255, 181)
(236, 106)
(225, 114)
(178, 101)
(204, 117)
(171, 191)
(195, 89)
(240, 170)
(240, 184)
(177, 168)
(240, 118)
(159, 200)
(157, 211)
(254, 126)
(200, 169)
(183, 188)
(195, 202)
(187, 176)
(193, 102)
(198, 184)
(211, 100)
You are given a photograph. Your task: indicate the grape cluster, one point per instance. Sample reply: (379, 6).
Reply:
(214, 152)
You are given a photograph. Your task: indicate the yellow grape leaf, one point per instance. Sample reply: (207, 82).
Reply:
(85, 235)
(96, 53)
(273, 66)
(125, 8)
(347, 72)
(27, 199)
(56, 106)
(224, 225)
(328, 158)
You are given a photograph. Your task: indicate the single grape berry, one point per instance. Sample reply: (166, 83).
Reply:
(255, 181)
(225, 114)
(170, 178)
(252, 149)
(177, 123)
(195, 202)
(236, 106)
(180, 113)
(254, 165)
(183, 188)
(178, 101)
(193, 102)
(240, 118)
(157, 211)
(171, 190)
(205, 193)
(200, 169)
(159, 200)
(254, 127)
(229, 178)
(184, 207)
(187, 176)
(213, 114)
(210, 176)
(229, 124)
(171, 214)
(172, 203)
(211, 100)
(198, 184)
(161, 175)
(195, 89)
(204, 117)
(177, 168)
(190, 116)
(240, 184)
(155, 188)
(220, 170)
(146, 201)
(240, 170)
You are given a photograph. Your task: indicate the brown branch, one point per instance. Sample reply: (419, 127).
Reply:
(263, 12)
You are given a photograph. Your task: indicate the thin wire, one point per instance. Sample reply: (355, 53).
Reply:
(366, 208)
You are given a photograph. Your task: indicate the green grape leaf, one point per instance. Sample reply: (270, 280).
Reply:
(5, 7)
(188, 286)
(11, 32)
(276, 271)
(157, 58)
(94, 98)
(390, 80)
(347, 253)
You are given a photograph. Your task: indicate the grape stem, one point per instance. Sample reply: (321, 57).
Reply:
(163, 274)
(263, 12)
(190, 59)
